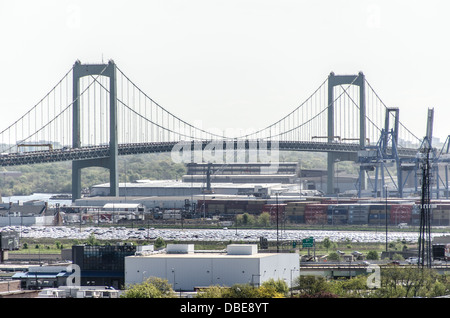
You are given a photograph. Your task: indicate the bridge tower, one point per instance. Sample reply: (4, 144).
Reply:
(110, 162)
(335, 80)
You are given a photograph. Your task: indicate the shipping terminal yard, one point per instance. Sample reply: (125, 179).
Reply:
(194, 151)
(292, 197)
(203, 208)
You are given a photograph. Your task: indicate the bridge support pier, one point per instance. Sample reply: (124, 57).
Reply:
(336, 80)
(332, 186)
(110, 162)
(333, 160)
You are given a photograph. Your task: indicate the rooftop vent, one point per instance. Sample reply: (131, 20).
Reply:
(180, 248)
(242, 249)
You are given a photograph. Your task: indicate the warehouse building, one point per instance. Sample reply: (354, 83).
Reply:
(281, 172)
(30, 213)
(188, 270)
(177, 188)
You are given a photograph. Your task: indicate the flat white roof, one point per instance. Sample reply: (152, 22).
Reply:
(200, 255)
(179, 184)
(121, 205)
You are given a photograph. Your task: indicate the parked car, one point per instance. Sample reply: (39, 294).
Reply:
(412, 260)
(394, 263)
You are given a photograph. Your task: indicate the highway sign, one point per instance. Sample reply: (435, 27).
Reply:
(308, 242)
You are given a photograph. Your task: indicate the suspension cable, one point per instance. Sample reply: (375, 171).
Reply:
(165, 110)
(60, 114)
(322, 111)
(387, 107)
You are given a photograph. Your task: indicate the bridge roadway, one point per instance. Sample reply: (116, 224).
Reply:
(98, 152)
(343, 269)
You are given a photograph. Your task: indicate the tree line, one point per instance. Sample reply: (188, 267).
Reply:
(56, 177)
(395, 282)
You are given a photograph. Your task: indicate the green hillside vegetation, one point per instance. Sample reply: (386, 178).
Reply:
(56, 177)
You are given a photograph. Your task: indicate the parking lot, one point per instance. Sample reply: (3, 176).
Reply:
(223, 234)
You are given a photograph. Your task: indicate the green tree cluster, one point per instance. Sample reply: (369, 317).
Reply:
(327, 243)
(412, 281)
(268, 289)
(396, 282)
(159, 243)
(153, 287)
(249, 220)
(372, 255)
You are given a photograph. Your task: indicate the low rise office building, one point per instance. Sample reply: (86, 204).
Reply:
(102, 265)
(188, 270)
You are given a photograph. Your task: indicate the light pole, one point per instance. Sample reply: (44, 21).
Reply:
(292, 270)
(278, 248)
(300, 179)
(235, 221)
(337, 180)
(337, 191)
(386, 216)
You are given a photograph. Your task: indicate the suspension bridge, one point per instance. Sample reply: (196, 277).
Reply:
(96, 113)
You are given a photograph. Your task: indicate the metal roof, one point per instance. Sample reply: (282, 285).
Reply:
(121, 205)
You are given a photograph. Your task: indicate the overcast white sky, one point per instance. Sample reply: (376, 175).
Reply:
(233, 63)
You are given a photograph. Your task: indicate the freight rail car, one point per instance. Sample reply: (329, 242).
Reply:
(441, 252)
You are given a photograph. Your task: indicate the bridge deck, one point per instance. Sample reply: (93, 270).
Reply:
(98, 152)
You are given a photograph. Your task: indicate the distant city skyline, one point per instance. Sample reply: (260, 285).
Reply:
(207, 61)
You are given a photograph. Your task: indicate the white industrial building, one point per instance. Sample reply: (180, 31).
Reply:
(163, 188)
(30, 213)
(187, 269)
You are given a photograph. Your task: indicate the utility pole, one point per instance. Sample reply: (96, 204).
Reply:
(424, 259)
(278, 246)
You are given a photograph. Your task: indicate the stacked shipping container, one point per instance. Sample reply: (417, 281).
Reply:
(377, 214)
(316, 213)
(274, 210)
(331, 211)
(441, 215)
(400, 213)
(358, 214)
(295, 211)
(337, 214)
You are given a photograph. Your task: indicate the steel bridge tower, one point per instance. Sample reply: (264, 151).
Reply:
(109, 162)
(335, 80)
